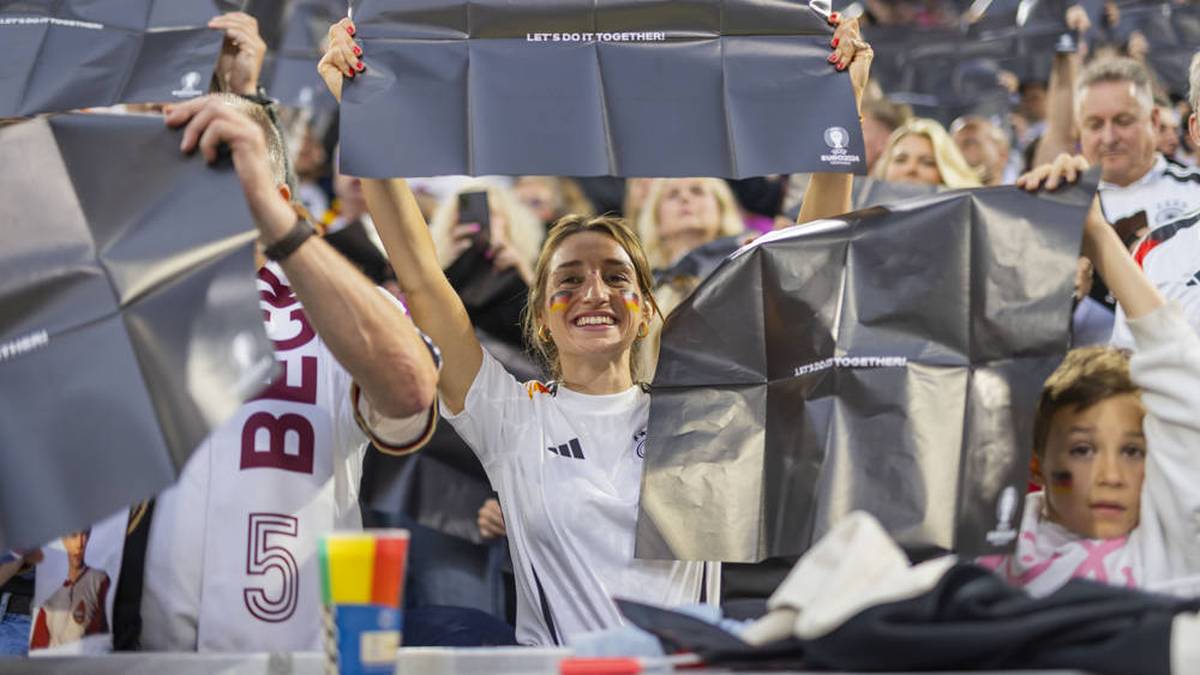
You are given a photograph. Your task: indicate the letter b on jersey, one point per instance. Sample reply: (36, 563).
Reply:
(267, 439)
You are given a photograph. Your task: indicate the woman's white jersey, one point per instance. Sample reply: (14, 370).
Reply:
(568, 468)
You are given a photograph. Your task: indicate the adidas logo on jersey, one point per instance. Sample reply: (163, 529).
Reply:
(1194, 281)
(571, 448)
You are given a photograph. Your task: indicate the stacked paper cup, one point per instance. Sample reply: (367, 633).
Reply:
(362, 583)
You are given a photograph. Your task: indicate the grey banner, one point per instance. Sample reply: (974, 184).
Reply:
(129, 321)
(75, 54)
(887, 361)
(728, 88)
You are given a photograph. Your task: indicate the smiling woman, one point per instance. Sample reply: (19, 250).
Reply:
(597, 281)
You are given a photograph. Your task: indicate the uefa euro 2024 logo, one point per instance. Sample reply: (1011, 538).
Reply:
(189, 82)
(837, 138)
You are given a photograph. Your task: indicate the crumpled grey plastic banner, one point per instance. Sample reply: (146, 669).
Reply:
(889, 361)
(72, 54)
(728, 88)
(129, 318)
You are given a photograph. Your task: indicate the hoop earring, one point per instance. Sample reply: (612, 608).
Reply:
(543, 333)
(643, 330)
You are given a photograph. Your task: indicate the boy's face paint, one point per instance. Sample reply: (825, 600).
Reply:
(559, 301)
(1061, 481)
(1094, 466)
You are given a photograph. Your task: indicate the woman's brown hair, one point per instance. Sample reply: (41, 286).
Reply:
(535, 308)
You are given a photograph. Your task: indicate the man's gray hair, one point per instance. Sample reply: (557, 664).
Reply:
(1194, 83)
(1117, 69)
(276, 146)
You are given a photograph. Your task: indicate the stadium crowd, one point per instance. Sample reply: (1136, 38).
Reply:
(534, 305)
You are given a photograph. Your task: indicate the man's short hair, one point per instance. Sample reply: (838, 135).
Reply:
(993, 132)
(1086, 376)
(276, 148)
(891, 113)
(1117, 69)
(1194, 83)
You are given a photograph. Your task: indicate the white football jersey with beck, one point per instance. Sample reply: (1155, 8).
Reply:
(231, 564)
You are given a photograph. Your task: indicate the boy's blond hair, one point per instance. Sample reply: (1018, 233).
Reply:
(1085, 377)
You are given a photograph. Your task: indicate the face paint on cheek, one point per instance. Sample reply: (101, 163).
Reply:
(559, 301)
(633, 301)
(1062, 481)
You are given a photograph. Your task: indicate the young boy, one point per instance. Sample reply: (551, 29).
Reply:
(1116, 443)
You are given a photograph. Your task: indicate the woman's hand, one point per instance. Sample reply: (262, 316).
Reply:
(342, 57)
(850, 50)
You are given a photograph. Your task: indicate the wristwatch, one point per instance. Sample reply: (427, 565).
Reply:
(291, 241)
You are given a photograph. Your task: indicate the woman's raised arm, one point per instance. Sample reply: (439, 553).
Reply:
(435, 306)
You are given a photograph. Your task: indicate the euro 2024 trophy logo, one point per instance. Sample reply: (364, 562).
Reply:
(837, 138)
(190, 81)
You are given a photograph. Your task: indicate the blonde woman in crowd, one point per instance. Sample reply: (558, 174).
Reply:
(678, 216)
(922, 152)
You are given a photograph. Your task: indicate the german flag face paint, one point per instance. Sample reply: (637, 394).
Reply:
(1062, 482)
(559, 301)
(633, 301)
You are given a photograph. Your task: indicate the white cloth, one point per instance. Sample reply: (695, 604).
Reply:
(568, 469)
(1185, 644)
(1165, 546)
(231, 563)
(1166, 192)
(1170, 257)
(856, 565)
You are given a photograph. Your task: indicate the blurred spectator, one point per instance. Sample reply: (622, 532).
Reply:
(1032, 107)
(681, 214)
(350, 230)
(515, 232)
(761, 200)
(922, 152)
(311, 166)
(552, 197)
(636, 190)
(1118, 131)
(1167, 132)
(880, 117)
(1188, 153)
(984, 146)
(490, 272)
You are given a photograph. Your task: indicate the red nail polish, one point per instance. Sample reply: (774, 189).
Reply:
(362, 67)
(350, 30)
(350, 75)
(835, 17)
(831, 58)
(841, 66)
(834, 42)
(357, 50)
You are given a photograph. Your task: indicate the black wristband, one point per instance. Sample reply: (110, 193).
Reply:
(291, 241)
